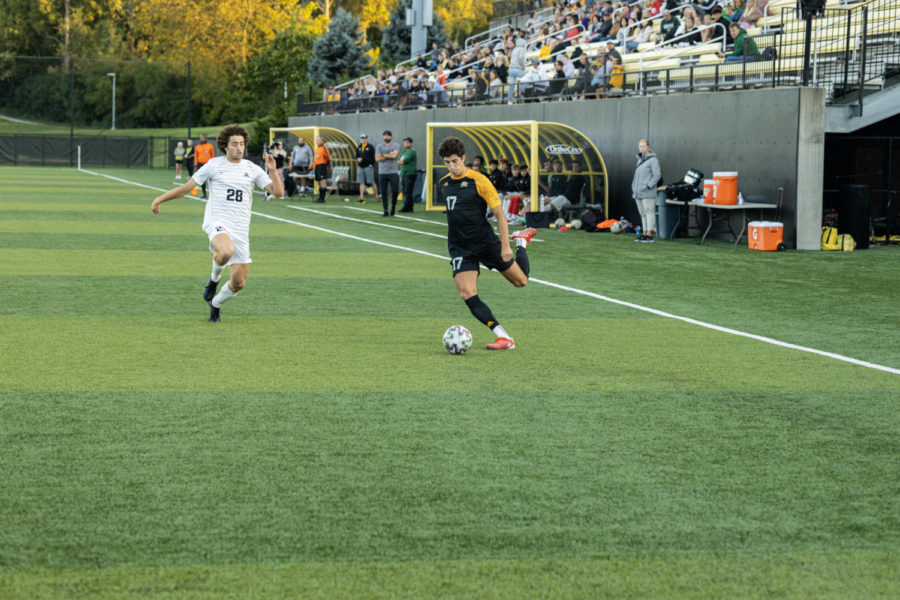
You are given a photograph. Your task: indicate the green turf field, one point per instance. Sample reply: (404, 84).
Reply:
(320, 443)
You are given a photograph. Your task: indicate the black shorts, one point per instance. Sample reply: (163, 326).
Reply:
(300, 169)
(321, 172)
(487, 252)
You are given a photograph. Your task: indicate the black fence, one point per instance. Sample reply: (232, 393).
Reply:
(95, 151)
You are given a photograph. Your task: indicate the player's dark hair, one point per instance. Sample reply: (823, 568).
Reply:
(227, 132)
(451, 146)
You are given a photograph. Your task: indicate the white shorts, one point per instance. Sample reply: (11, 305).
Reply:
(241, 254)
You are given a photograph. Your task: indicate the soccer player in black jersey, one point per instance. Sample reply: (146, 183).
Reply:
(471, 239)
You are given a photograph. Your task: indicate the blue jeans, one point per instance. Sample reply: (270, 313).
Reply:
(514, 75)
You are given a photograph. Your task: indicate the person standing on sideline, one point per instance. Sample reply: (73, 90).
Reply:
(189, 157)
(386, 153)
(471, 239)
(321, 168)
(227, 217)
(365, 171)
(301, 159)
(179, 159)
(203, 153)
(643, 189)
(408, 163)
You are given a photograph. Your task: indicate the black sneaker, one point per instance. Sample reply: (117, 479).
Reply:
(639, 238)
(648, 239)
(213, 314)
(209, 291)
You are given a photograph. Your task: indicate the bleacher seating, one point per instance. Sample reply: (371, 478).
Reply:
(654, 68)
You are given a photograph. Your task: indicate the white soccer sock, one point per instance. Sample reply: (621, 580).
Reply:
(216, 271)
(500, 332)
(224, 295)
(521, 243)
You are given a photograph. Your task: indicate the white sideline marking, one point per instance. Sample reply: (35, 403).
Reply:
(659, 313)
(365, 222)
(378, 212)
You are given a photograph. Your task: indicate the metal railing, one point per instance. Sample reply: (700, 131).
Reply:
(852, 49)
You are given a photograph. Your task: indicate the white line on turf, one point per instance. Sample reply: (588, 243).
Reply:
(367, 222)
(378, 212)
(660, 313)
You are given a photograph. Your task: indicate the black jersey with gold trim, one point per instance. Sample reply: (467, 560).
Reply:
(467, 199)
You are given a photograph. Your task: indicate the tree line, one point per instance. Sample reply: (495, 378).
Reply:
(248, 58)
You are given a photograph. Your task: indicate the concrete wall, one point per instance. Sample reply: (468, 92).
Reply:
(773, 138)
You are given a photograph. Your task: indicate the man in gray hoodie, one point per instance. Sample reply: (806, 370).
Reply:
(647, 175)
(516, 66)
(301, 159)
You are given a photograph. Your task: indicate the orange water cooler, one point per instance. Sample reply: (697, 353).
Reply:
(765, 235)
(725, 188)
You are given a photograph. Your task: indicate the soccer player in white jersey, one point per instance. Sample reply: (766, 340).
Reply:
(227, 217)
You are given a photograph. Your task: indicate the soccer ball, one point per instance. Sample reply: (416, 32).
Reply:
(616, 227)
(560, 223)
(576, 224)
(457, 339)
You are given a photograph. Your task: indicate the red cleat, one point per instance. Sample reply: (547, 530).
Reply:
(501, 343)
(525, 234)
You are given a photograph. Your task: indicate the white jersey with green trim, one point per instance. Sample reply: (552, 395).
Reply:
(230, 192)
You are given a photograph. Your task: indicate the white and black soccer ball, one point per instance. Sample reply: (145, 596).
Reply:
(576, 224)
(616, 227)
(457, 339)
(560, 223)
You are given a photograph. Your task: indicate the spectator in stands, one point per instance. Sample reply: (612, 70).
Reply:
(745, 48)
(734, 11)
(638, 35)
(643, 189)
(408, 164)
(611, 51)
(756, 10)
(558, 83)
(603, 31)
(616, 75)
(477, 90)
(708, 32)
(582, 85)
(516, 67)
(494, 85)
(502, 69)
(668, 26)
(534, 84)
(365, 167)
(688, 29)
(719, 19)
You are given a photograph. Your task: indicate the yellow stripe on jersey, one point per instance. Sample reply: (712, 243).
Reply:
(485, 188)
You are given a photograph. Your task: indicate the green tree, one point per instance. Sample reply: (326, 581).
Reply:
(340, 52)
(397, 36)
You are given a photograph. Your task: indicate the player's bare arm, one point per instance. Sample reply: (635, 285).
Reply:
(503, 232)
(276, 188)
(178, 192)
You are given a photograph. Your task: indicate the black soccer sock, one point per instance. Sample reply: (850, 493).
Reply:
(481, 311)
(322, 191)
(522, 260)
